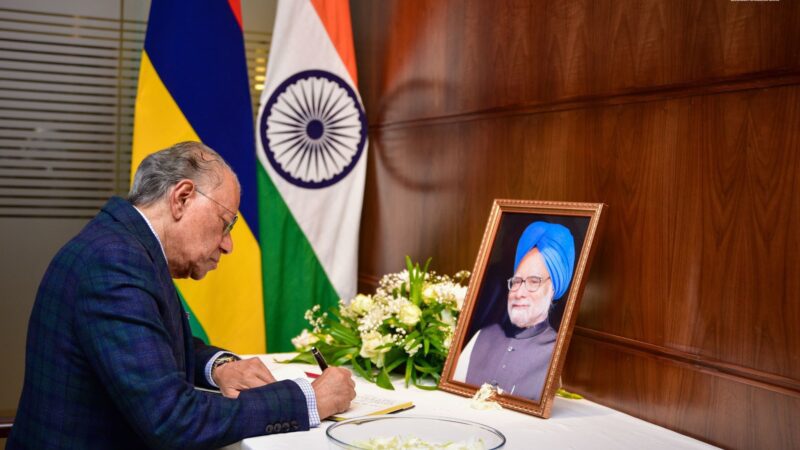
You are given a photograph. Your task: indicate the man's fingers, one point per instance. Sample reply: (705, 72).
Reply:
(335, 390)
(241, 375)
(229, 393)
(257, 369)
(264, 375)
(253, 372)
(264, 378)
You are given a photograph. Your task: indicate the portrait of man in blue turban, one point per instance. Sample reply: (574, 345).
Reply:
(515, 355)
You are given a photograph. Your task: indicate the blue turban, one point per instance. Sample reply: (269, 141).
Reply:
(557, 247)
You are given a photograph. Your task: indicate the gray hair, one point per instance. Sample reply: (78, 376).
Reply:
(163, 169)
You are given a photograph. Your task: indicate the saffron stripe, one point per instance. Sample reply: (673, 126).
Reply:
(335, 17)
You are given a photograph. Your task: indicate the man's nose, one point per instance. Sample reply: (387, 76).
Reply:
(520, 293)
(226, 245)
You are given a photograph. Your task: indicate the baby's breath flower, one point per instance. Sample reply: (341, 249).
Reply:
(411, 349)
(462, 275)
(373, 319)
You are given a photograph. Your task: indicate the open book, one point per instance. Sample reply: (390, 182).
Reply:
(368, 402)
(372, 405)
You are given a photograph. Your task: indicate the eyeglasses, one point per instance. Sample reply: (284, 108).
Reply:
(532, 284)
(228, 225)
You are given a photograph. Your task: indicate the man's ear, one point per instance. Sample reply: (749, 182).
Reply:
(180, 196)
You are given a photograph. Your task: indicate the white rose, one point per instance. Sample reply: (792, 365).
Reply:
(369, 346)
(410, 314)
(361, 304)
(370, 342)
(304, 341)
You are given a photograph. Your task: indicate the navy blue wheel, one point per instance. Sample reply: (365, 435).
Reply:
(313, 129)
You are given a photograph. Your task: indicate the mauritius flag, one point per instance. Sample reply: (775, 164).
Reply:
(193, 85)
(312, 152)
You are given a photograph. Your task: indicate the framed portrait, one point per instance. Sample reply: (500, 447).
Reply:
(522, 301)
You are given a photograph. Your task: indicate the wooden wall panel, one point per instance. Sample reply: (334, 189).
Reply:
(704, 404)
(698, 234)
(423, 59)
(682, 116)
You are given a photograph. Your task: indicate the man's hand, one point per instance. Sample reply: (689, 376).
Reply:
(238, 376)
(334, 389)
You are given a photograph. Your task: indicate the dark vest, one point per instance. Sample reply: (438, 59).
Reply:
(515, 362)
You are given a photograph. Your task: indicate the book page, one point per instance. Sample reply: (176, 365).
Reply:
(370, 399)
(370, 405)
(288, 372)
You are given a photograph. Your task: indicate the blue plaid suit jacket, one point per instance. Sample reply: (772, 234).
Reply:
(110, 360)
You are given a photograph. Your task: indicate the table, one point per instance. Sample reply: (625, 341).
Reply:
(574, 424)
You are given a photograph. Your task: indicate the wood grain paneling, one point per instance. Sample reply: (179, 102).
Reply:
(700, 227)
(436, 58)
(701, 403)
(682, 116)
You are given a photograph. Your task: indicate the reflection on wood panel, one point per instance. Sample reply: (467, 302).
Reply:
(681, 116)
(438, 58)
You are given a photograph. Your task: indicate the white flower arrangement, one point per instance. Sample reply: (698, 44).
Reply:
(406, 325)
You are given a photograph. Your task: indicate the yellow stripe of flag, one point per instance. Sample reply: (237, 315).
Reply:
(234, 325)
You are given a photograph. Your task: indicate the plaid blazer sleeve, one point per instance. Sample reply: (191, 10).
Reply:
(202, 355)
(119, 322)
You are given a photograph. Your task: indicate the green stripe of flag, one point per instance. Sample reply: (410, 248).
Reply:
(294, 280)
(194, 324)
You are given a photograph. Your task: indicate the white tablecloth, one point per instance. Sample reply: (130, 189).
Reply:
(574, 424)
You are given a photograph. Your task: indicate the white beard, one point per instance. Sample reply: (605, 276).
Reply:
(522, 317)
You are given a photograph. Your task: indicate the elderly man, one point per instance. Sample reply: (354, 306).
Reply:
(515, 355)
(111, 362)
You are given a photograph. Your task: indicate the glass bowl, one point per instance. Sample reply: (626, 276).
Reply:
(369, 433)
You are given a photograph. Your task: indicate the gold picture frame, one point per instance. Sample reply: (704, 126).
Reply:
(525, 351)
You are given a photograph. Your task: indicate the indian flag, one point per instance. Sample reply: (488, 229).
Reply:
(312, 150)
(193, 85)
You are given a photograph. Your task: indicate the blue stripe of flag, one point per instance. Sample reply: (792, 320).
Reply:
(197, 49)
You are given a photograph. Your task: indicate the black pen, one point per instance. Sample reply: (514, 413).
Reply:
(320, 360)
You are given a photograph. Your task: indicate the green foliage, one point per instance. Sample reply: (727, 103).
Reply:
(405, 327)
